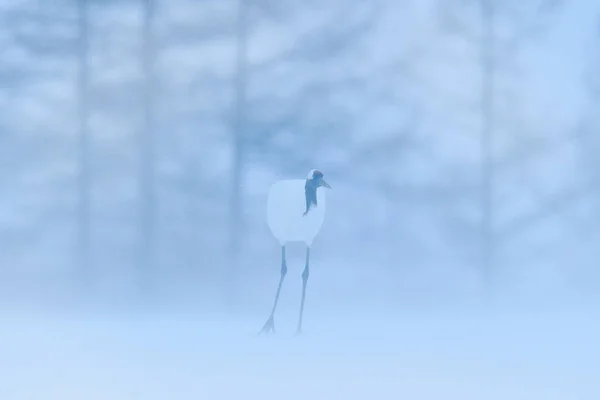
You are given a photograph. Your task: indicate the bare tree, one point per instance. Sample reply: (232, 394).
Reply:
(583, 134)
(498, 63)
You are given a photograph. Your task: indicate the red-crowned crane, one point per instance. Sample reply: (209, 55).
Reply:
(295, 213)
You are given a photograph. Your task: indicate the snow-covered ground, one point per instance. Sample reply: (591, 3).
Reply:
(171, 356)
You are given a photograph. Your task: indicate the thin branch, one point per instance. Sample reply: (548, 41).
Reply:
(559, 203)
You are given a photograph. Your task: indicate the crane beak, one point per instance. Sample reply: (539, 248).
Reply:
(324, 184)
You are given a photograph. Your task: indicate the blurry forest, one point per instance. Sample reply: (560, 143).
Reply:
(139, 139)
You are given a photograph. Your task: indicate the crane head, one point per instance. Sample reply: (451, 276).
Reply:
(315, 179)
(313, 182)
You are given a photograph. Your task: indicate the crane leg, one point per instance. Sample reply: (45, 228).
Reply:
(305, 275)
(269, 326)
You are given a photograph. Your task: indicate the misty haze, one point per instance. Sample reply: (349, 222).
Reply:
(456, 143)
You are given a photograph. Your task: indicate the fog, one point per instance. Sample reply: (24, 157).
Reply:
(458, 254)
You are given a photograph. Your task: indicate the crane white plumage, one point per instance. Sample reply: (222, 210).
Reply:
(285, 207)
(295, 213)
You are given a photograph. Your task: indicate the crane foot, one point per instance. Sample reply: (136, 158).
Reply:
(269, 327)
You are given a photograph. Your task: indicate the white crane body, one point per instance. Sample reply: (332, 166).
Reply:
(285, 208)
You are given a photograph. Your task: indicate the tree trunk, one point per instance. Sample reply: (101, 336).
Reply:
(487, 123)
(84, 180)
(148, 154)
(236, 224)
